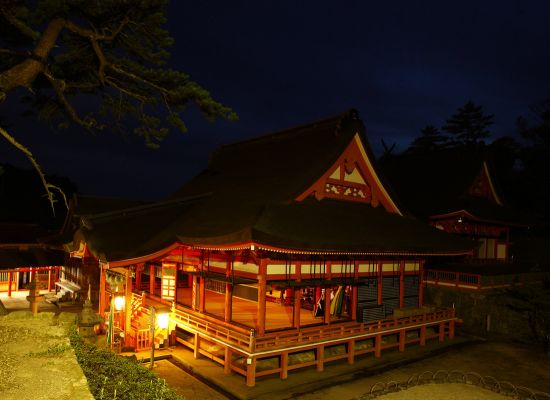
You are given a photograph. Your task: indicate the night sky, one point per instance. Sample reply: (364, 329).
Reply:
(401, 64)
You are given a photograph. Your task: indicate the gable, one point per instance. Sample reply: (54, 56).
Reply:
(352, 178)
(483, 187)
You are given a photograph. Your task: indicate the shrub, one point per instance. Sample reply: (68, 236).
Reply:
(114, 377)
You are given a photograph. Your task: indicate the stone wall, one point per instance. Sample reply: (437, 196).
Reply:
(490, 312)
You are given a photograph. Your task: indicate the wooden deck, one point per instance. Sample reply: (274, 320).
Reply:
(236, 346)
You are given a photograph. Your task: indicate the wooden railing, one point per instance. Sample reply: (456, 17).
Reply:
(453, 278)
(478, 281)
(240, 338)
(276, 340)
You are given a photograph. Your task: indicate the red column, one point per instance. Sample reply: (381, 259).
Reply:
(262, 274)
(202, 294)
(321, 356)
(379, 286)
(228, 291)
(377, 345)
(297, 293)
(420, 283)
(138, 278)
(102, 288)
(401, 283)
(10, 277)
(152, 278)
(328, 291)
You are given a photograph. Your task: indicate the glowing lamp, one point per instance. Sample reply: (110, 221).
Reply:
(119, 303)
(162, 320)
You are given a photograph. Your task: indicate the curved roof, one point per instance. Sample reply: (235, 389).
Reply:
(247, 195)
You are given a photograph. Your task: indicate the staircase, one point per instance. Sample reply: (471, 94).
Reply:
(141, 325)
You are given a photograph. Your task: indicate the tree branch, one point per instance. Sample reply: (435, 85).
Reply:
(59, 86)
(112, 82)
(30, 157)
(21, 26)
(95, 38)
(138, 78)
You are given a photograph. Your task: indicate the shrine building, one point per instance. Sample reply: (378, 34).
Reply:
(288, 251)
(455, 191)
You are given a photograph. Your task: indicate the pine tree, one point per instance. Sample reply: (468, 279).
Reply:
(110, 54)
(469, 125)
(430, 139)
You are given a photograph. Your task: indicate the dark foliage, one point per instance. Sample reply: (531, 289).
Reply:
(99, 64)
(469, 125)
(111, 376)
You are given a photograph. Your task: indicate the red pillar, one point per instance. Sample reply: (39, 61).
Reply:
(10, 278)
(377, 345)
(152, 278)
(102, 288)
(320, 357)
(423, 335)
(379, 286)
(401, 283)
(138, 277)
(421, 284)
(251, 372)
(202, 294)
(262, 283)
(284, 365)
(297, 303)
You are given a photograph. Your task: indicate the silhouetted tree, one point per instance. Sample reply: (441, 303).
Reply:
(469, 125)
(535, 155)
(110, 54)
(431, 139)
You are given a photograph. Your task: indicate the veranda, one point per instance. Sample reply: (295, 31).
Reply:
(258, 312)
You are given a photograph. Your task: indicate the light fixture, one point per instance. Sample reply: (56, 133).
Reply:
(459, 220)
(162, 319)
(120, 301)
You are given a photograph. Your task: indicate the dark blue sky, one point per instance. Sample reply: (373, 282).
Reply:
(401, 64)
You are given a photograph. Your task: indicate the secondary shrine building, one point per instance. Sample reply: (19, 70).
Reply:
(287, 251)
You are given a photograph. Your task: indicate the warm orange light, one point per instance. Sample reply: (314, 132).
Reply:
(162, 320)
(120, 301)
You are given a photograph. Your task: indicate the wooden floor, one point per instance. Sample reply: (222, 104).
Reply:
(245, 312)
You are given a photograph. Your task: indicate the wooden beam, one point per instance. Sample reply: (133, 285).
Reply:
(297, 306)
(227, 360)
(441, 332)
(102, 288)
(196, 350)
(284, 365)
(401, 283)
(421, 284)
(423, 335)
(228, 301)
(10, 277)
(378, 345)
(202, 294)
(451, 329)
(379, 285)
(128, 307)
(320, 357)
(260, 327)
(251, 372)
(402, 336)
(152, 278)
(351, 352)
(326, 305)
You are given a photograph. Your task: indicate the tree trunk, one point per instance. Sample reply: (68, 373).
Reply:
(24, 73)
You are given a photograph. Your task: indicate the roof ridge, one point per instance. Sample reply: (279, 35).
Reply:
(95, 217)
(351, 113)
